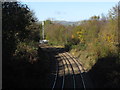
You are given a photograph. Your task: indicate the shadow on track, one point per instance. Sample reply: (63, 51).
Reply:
(41, 74)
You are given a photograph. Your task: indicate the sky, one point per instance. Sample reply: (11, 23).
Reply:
(69, 11)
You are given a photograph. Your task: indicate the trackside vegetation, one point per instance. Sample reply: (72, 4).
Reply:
(24, 63)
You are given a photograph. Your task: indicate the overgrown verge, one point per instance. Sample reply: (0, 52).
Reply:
(24, 64)
(105, 73)
(95, 43)
(103, 70)
(28, 67)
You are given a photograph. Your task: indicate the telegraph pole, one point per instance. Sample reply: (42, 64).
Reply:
(43, 29)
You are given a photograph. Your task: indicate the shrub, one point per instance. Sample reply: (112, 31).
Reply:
(27, 51)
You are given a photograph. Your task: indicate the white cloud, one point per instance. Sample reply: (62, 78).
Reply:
(59, 13)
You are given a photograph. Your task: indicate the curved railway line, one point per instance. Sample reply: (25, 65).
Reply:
(68, 72)
(56, 75)
(79, 66)
(72, 70)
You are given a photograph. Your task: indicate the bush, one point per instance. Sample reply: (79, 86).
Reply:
(68, 46)
(27, 51)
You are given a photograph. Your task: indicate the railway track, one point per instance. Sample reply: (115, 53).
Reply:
(79, 68)
(56, 75)
(68, 72)
(72, 70)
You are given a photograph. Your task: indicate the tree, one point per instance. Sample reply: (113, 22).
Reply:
(15, 18)
(95, 18)
(113, 13)
(48, 22)
(34, 32)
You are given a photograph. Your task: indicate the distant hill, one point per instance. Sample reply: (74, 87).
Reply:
(66, 23)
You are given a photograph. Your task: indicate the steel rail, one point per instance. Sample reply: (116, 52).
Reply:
(71, 68)
(56, 76)
(63, 74)
(55, 81)
(78, 64)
